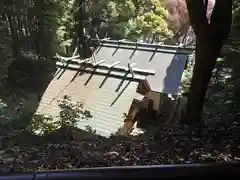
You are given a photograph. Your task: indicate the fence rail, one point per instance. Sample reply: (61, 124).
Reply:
(164, 171)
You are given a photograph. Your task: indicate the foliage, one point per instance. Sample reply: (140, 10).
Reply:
(20, 120)
(49, 26)
(71, 113)
(65, 24)
(5, 51)
(3, 108)
(39, 27)
(179, 21)
(231, 52)
(236, 19)
(220, 104)
(42, 125)
(130, 19)
(186, 81)
(187, 75)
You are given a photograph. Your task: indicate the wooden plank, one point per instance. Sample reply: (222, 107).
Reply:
(104, 39)
(66, 58)
(113, 64)
(99, 62)
(147, 71)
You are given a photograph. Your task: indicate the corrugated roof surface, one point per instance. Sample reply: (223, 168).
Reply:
(107, 98)
(167, 62)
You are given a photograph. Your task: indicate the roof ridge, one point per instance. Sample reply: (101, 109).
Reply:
(142, 44)
(118, 68)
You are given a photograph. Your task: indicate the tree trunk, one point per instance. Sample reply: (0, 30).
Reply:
(40, 39)
(210, 39)
(15, 46)
(205, 62)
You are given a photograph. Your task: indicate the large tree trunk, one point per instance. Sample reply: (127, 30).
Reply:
(210, 39)
(205, 62)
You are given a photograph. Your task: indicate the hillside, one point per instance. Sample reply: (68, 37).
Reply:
(21, 151)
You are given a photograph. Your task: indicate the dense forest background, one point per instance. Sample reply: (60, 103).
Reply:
(32, 31)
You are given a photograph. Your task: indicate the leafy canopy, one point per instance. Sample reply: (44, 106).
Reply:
(132, 19)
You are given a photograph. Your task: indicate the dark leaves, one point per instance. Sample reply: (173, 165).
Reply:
(172, 146)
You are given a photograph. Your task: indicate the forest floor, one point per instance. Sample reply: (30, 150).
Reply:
(22, 151)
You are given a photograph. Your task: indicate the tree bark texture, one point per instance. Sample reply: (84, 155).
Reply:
(210, 37)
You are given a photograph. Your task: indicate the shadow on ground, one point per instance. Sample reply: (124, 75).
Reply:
(27, 80)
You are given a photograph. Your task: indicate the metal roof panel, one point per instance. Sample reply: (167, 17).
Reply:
(168, 63)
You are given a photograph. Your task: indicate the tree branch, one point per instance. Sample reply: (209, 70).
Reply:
(198, 17)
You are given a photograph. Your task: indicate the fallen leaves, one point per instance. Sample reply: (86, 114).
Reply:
(166, 146)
